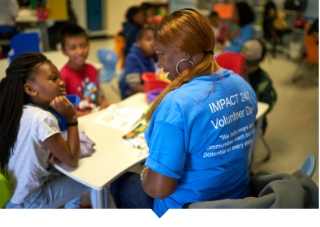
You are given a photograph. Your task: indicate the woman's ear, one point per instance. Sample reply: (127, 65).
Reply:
(28, 88)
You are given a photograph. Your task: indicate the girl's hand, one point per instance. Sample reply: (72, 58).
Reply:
(64, 107)
(53, 159)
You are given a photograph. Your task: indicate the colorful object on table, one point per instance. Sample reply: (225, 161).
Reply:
(151, 82)
(152, 95)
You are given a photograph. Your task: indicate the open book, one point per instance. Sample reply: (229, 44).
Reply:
(136, 139)
(120, 116)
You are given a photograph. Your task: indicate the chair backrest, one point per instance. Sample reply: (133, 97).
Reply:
(109, 59)
(5, 191)
(312, 48)
(119, 44)
(232, 61)
(22, 43)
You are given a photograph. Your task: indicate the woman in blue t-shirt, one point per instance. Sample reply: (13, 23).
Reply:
(200, 127)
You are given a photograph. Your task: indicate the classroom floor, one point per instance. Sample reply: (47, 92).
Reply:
(292, 132)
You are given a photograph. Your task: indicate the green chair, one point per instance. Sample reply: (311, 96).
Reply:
(5, 191)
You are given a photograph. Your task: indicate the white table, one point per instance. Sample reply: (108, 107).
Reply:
(262, 109)
(112, 156)
(56, 57)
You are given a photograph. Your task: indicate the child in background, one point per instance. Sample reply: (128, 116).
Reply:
(220, 30)
(255, 51)
(30, 136)
(149, 10)
(140, 59)
(243, 16)
(136, 19)
(78, 75)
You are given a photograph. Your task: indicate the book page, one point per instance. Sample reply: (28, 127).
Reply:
(120, 116)
(136, 139)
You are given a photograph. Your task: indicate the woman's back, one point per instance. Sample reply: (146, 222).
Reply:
(210, 135)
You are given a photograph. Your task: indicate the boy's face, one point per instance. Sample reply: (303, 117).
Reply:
(77, 49)
(214, 21)
(140, 18)
(145, 44)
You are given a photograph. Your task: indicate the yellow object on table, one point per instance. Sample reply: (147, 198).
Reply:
(161, 75)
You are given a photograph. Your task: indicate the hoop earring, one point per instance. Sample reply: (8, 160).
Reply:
(180, 62)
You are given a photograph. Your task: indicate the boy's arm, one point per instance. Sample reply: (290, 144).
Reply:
(102, 102)
(138, 88)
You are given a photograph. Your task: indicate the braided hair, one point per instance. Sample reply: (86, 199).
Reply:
(12, 99)
(195, 37)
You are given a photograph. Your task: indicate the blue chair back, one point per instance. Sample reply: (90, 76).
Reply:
(109, 59)
(309, 166)
(22, 43)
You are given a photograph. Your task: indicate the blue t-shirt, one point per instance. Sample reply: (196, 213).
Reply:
(135, 63)
(246, 33)
(201, 135)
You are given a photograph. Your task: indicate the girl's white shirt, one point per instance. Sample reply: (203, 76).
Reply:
(28, 167)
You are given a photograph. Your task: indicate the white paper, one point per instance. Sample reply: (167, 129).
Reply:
(120, 116)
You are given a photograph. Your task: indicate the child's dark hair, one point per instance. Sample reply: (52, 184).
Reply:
(12, 99)
(213, 14)
(146, 5)
(131, 12)
(142, 31)
(245, 12)
(71, 30)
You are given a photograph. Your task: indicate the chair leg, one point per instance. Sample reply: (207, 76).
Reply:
(297, 74)
(268, 149)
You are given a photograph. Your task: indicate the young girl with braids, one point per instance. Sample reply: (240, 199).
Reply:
(200, 128)
(30, 137)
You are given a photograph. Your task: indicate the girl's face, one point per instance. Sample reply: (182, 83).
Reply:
(145, 44)
(168, 59)
(46, 85)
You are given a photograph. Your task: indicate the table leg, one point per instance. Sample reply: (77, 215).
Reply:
(255, 142)
(44, 35)
(106, 197)
(97, 199)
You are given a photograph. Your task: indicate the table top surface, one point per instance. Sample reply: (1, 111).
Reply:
(29, 16)
(112, 156)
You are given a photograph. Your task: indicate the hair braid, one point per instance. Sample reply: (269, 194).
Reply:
(12, 98)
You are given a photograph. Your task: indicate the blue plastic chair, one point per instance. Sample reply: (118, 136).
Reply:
(309, 166)
(22, 43)
(109, 59)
